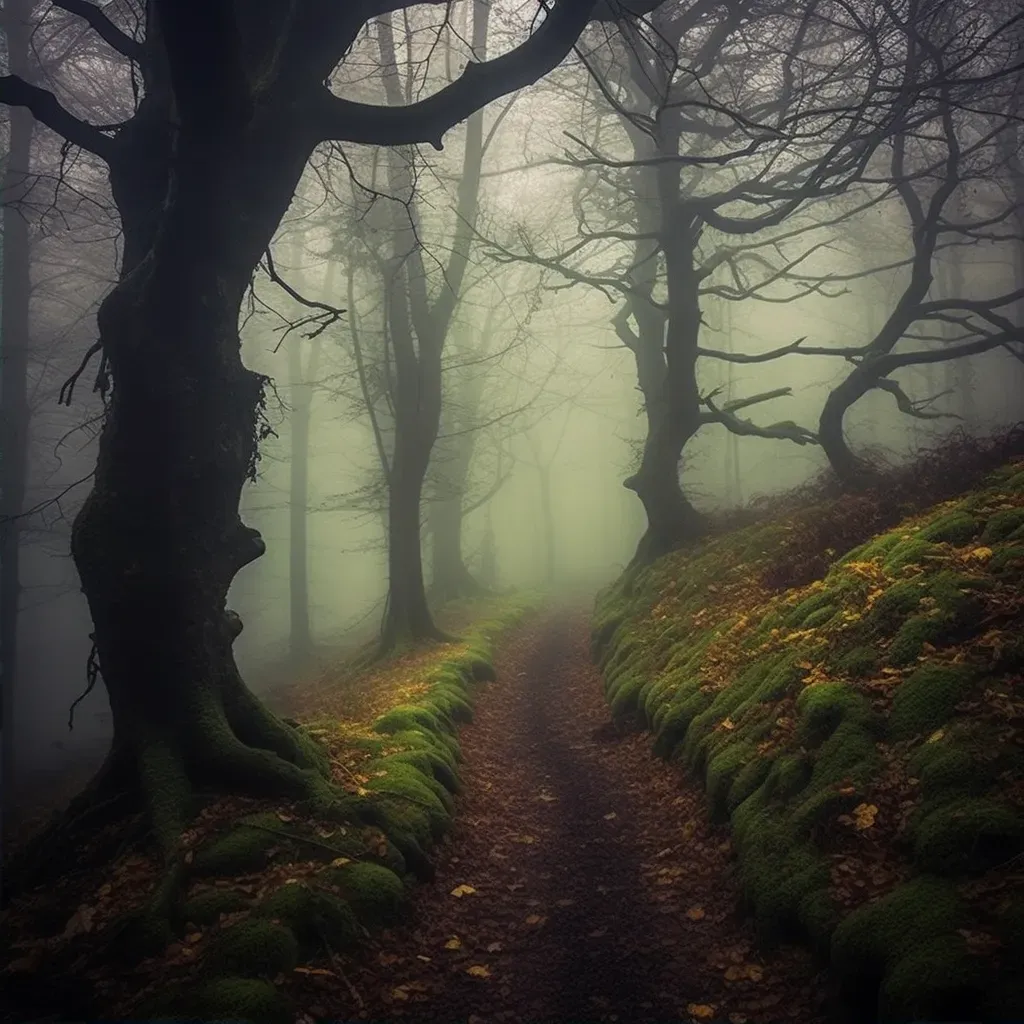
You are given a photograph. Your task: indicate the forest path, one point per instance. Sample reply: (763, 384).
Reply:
(602, 893)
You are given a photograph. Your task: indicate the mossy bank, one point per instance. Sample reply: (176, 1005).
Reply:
(862, 735)
(272, 892)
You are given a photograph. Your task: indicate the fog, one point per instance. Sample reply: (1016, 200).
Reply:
(534, 370)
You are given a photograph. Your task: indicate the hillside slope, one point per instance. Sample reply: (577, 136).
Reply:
(860, 732)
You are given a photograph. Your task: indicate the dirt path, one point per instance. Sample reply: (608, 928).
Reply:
(601, 892)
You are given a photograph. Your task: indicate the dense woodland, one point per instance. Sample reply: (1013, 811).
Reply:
(343, 342)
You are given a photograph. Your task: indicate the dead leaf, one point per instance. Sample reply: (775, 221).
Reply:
(400, 992)
(608, 817)
(494, 947)
(453, 943)
(478, 971)
(864, 816)
(463, 890)
(936, 736)
(534, 919)
(695, 913)
(700, 1010)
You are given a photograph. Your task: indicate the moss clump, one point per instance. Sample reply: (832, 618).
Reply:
(788, 776)
(1001, 525)
(944, 769)
(914, 551)
(876, 936)
(673, 725)
(849, 756)
(891, 606)
(408, 827)
(956, 527)
(798, 615)
(824, 706)
(927, 698)
(1008, 559)
(240, 999)
(206, 907)
(857, 662)
(253, 948)
(242, 850)
(967, 836)
(376, 895)
(722, 769)
(411, 716)
(624, 701)
(910, 640)
(936, 980)
(403, 782)
(429, 763)
(316, 918)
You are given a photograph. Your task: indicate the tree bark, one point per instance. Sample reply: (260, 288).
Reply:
(15, 273)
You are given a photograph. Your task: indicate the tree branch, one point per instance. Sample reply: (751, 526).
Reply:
(103, 27)
(45, 108)
(427, 120)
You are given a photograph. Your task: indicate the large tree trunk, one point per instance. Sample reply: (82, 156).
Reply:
(450, 579)
(159, 539)
(14, 346)
(852, 471)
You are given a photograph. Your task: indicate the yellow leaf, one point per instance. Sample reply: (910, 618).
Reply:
(754, 973)
(936, 736)
(453, 943)
(864, 816)
(981, 554)
(340, 862)
(478, 971)
(526, 840)
(727, 724)
(701, 1010)
(400, 993)
(463, 890)
(695, 913)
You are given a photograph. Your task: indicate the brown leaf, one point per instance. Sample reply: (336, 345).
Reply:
(463, 890)
(695, 913)
(479, 971)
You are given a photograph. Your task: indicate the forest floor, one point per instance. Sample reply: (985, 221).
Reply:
(582, 880)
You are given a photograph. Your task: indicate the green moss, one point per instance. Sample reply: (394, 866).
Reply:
(722, 769)
(1007, 560)
(206, 907)
(955, 527)
(242, 850)
(944, 769)
(253, 948)
(893, 604)
(240, 999)
(967, 836)
(672, 727)
(926, 699)
(936, 980)
(429, 763)
(748, 779)
(849, 756)
(857, 662)
(914, 551)
(1001, 525)
(824, 706)
(796, 617)
(909, 642)
(316, 918)
(820, 806)
(624, 701)
(818, 916)
(376, 895)
(878, 935)
(411, 716)
(788, 776)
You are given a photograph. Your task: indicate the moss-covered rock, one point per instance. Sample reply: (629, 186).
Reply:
(239, 999)
(967, 836)
(241, 850)
(411, 716)
(376, 894)
(926, 699)
(937, 979)
(316, 918)
(206, 907)
(957, 527)
(252, 948)
(822, 708)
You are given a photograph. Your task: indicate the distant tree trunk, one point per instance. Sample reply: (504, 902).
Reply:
(450, 577)
(488, 553)
(547, 518)
(14, 346)
(301, 382)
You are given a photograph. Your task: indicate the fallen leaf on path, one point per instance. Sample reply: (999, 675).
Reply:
(319, 972)
(453, 943)
(400, 992)
(494, 947)
(695, 913)
(534, 919)
(340, 862)
(608, 817)
(463, 890)
(478, 971)
(864, 816)
(524, 839)
(701, 1010)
